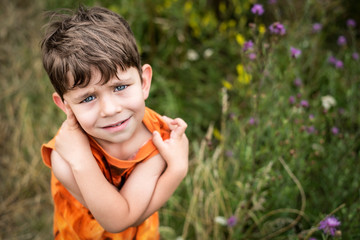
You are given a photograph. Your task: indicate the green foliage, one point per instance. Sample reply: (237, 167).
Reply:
(274, 139)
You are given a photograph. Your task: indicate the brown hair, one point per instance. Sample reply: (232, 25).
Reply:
(76, 42)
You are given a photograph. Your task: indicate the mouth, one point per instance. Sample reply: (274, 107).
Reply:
(117, 124)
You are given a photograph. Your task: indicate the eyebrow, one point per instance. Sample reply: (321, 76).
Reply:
(117, 80)
(84, 95)
(112, 83)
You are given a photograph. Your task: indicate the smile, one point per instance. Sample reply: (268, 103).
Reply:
(117, 124)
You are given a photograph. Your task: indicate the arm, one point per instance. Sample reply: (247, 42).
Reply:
(175, 151)
(73, 163)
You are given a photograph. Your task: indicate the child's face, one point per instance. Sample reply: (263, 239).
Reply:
(111, 112)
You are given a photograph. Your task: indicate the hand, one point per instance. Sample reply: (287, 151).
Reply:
(174, 150)
(71, 143)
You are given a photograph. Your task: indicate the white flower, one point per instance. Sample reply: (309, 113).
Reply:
(328, 101)
(221, 220)
(192, 55)
(208, 53)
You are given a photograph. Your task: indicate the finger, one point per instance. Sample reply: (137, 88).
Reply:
(167, 120)
(175, 123)
(158, 141)
(177, 134)
(70, 117)
(180, 122)
(179, 127)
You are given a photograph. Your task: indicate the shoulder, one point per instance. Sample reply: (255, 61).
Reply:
(154, 122)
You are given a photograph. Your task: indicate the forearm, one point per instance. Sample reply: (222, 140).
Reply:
(110, 208)
(165, 187)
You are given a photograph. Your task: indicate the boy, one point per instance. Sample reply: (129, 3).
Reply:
(94, 65)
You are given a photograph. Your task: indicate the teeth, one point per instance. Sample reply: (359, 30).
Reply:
(118, 124)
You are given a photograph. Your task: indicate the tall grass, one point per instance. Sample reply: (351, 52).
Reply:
(26, 121)
(268, 160)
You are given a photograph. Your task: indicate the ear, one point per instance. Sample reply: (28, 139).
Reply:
(146, 80)
(58, 101)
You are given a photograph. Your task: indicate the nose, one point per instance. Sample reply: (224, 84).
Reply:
(109, 106)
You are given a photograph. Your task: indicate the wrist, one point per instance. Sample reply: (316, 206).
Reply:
(178, 169)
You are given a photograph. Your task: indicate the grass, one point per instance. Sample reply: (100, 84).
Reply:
(25, 207)
(277, 167)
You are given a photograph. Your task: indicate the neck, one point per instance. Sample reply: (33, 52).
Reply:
(127, 149)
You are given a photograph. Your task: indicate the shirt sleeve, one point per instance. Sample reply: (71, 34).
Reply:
(46, 150)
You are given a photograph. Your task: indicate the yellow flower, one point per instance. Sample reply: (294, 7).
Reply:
(208, 20)
(232, 23)
(240, 69)
(193, 22)
(217, 134)
(240, 39)
(167, 4)
(188, 6)
(222, 7)
(227, 85)
(238, 10)
(262, 29)
(243, 77)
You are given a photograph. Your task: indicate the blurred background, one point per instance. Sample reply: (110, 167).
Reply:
(269, 89)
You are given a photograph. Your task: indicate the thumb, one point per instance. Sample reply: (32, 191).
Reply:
(158, 141)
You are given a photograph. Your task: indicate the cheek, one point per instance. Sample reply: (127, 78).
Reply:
(137, 105)
(85, 119)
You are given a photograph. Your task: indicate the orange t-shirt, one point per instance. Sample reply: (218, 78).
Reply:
(73, 221)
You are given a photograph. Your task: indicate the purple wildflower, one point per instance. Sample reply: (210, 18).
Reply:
(351, 23)
(257, 9)
(291, 99)
(252, 56)
(355, 56)
(272, 1)
(304, 103)
(329, 224)
(295, 53)
(297, 82)
(339, 64)
(311, 117)
(336, 62)
(277, 28)
(252, 121)
(332, 60)
(248, 45)
(341, 41)
(310, 129)
(317, 27)
(312, 238)
(231, 221)
(334, 130)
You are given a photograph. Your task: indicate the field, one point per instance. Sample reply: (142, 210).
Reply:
(271, 94)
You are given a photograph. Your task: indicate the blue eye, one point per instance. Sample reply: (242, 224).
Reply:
(88, 99)
(121, 87)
